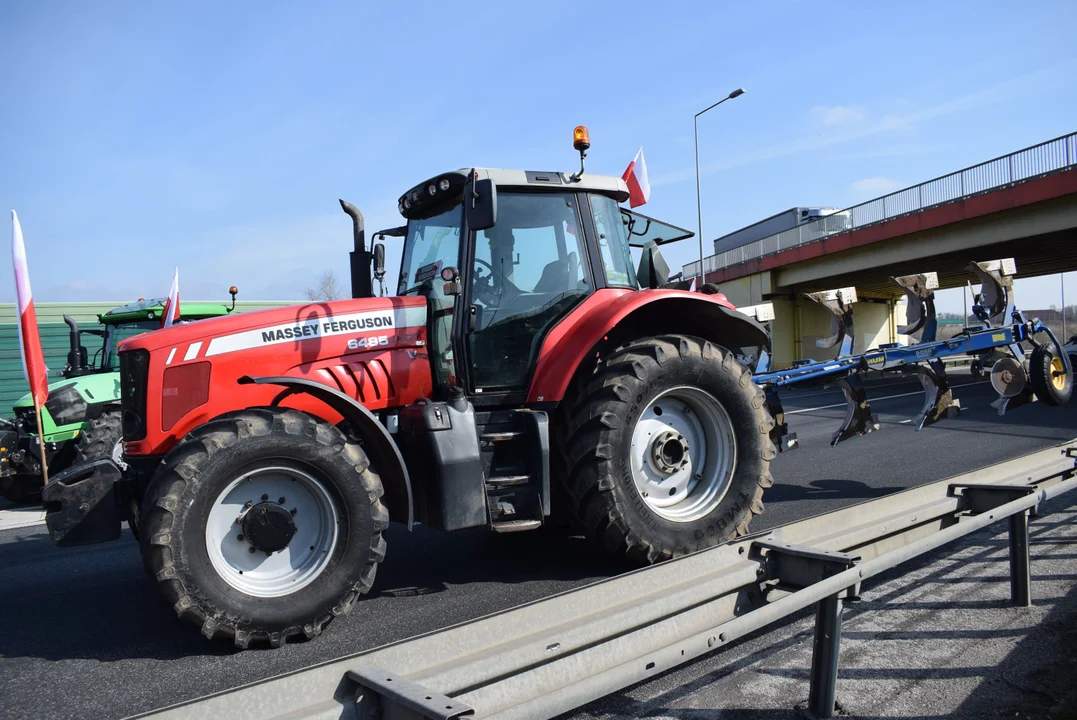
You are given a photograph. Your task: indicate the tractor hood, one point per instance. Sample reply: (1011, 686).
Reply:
(313, 323)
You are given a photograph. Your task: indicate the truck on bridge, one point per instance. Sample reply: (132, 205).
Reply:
(834, 221)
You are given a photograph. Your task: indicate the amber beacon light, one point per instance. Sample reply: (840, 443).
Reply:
(581, 139)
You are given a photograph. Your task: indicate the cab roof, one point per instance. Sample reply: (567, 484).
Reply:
(615, 187)
(440, 189)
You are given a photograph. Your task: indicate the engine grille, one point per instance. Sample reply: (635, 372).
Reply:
(134, 373)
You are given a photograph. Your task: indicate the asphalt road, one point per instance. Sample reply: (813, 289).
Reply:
(84, 635)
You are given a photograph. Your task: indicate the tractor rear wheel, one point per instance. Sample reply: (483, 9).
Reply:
(264, 525)
(1047, 374)
(669, 449)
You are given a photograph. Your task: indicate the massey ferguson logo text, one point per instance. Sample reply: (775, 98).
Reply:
(331, 327)
(315, 328)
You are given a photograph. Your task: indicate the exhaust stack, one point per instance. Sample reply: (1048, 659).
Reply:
(77, 359)
(362, 287)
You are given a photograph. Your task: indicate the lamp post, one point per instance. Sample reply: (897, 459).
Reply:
(699, 205)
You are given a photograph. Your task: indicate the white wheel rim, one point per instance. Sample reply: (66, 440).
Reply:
(695, 485)
(307, 553)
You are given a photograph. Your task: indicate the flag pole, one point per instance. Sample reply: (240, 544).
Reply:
(41, 444)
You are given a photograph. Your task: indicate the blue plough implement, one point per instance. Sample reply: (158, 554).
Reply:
(1044, 374)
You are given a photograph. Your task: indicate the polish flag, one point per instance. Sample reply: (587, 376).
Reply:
(33, 359)
(172, 305)
(639, 189)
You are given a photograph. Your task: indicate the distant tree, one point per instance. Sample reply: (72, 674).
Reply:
(325, 289)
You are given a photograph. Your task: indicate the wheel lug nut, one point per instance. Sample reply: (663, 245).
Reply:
(247, 504)
(264, 498)
(294, 511)
(281, 501)
(239, 537)
(251, 550)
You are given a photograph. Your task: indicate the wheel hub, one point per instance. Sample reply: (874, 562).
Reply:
(268, 527)
(669, 452)
(683, 454)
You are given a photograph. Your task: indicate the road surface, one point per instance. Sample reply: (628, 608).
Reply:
(84, 635)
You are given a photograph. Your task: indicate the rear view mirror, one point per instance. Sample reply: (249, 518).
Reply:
(480, 203)
(379, 260)
(379, 267)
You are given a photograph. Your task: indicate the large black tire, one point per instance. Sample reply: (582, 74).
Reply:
(185, 487)
(100, 439)
(1046, 372)
(600, 422)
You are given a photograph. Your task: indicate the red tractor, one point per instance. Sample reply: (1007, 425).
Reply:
(523, 363)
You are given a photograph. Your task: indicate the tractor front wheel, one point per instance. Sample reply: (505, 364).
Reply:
(264, 526)
(668, 447)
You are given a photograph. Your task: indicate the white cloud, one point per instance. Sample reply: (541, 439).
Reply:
(838, 114)
(976, 101)
(875, 186)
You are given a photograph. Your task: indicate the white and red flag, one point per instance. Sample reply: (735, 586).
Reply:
(33, 358)
(172, 305)
(639, 188)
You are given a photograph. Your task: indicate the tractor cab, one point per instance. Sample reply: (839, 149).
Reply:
(503, 255)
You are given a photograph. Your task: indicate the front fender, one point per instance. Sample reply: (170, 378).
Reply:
(377, 440)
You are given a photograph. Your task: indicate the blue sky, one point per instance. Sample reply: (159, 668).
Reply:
(135, 137)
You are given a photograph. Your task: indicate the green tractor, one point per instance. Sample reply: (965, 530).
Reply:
(81, 418)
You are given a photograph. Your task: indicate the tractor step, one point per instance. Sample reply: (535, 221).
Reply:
(508, 481)
(515, 459)
(500, 436)
(511, 526)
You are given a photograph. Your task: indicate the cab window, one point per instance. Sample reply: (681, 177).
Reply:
(613, 242)
(529, 271)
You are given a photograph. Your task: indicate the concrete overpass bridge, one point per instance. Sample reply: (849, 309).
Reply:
(1022, 205)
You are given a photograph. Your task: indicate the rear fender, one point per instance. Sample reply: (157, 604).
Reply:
(609, 318)
(377, 442)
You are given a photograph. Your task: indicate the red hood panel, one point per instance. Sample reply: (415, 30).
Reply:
(372, 349)
(291, 324)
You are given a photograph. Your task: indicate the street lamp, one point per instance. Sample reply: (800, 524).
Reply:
(699, 205)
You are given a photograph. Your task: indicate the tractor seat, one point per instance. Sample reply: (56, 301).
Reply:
(558, 276)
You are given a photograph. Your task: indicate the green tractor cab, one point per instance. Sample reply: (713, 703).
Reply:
(81, 418)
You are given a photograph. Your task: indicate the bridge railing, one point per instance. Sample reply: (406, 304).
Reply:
(1031, 162)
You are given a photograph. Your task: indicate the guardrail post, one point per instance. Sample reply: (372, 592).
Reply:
(1020, 576)
(824, 657)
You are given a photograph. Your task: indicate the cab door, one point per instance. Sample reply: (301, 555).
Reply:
(526, 272)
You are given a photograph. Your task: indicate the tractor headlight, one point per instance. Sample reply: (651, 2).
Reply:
(443, 184)
(432, 190)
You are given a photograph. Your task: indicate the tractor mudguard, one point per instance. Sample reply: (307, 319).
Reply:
(378, 442)
(80, 504)
(655, 312)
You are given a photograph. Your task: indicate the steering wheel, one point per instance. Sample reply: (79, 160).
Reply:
(484, 285)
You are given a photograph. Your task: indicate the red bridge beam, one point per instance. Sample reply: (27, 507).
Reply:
(1008, 198)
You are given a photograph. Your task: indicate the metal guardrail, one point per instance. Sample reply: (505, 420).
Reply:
(556, 654)
(1027, 164)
